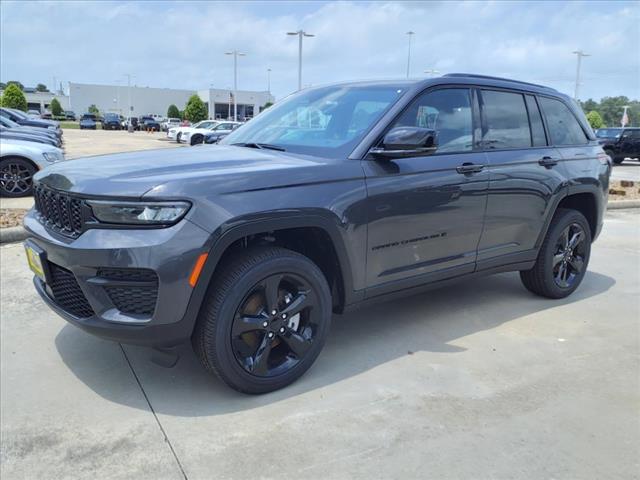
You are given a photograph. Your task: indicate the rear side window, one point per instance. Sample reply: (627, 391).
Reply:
(506, 123)
(538, 136)
(448, 111)
(562, 125)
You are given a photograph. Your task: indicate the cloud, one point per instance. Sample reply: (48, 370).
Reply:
(182, 44)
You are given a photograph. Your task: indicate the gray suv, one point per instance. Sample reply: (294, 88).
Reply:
(334, 197)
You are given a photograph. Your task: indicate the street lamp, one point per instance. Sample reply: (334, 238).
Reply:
(411, 34)
(235, 54)
(580, 54)
(129, 107)
(431, 72)
(300, 34)
(269, 81)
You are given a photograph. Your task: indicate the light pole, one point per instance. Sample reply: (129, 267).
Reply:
(411, 34)
(128, 75)
(300, 34)
(431, 72)
(269, 81)
(580, 54)
(235, 54)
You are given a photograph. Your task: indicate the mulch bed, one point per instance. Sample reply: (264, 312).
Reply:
(11, 217)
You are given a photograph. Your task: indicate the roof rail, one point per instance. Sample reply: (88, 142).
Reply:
(489, 77)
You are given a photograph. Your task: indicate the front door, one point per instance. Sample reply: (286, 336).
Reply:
(425, 214)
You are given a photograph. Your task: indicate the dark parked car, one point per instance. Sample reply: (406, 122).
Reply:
(620, 143)
(149, 123)
(35, 131)
(69, 115)
(111, 121)
(10, 134)
(88, 122)
(23, 119)
(333, 197)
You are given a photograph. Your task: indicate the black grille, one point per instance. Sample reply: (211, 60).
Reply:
(140, 293)
(59, 210)
(67, 293)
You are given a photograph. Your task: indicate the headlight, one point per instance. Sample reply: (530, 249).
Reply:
(139, 213)
(51, 156)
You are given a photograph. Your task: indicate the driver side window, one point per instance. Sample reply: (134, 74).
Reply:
(448, 112)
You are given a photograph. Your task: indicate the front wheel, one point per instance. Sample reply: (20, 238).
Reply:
(563, 257)
(196, 139)
(265, 319)
(16, 177)
(178, 137)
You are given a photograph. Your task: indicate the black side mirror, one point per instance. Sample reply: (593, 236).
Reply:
(407, 142)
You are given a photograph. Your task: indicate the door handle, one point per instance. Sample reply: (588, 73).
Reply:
(466, 168)
(548, 162)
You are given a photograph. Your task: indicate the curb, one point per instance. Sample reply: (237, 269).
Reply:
(12, 234)
(619, 204)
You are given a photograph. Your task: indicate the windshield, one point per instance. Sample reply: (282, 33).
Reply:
(608, 132)
(111, 116)
(7, 122)
(18, 113)
(328, 121)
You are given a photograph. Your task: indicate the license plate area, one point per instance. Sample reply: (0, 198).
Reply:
(37, 260)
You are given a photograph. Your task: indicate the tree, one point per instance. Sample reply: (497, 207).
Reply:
(56, 108)
(93, 109)
(3, 85)
(595, 120)
(12, 97)
(41, 87)
(173, 112)
(267, 105)
(16, 83)
(195, 110)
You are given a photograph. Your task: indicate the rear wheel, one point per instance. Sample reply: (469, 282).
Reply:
(265, 320)
(196, 139)
(178, 137)
(16, 177)
(563, 257)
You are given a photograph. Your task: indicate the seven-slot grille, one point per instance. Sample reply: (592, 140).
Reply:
(59, 210)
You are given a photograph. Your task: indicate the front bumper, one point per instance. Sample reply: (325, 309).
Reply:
(169, 252)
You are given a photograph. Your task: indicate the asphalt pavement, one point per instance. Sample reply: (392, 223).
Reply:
(478, 380)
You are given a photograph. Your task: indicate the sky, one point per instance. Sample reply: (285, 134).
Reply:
(182, 44)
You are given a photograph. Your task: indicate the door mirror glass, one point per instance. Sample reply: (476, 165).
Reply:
(407, 142)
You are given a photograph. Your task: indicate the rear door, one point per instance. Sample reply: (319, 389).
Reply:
(424, 215)
(525, 176)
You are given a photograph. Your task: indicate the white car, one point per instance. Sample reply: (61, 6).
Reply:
(175, 134)
(196, 135)
(170, 123)
(19, 162)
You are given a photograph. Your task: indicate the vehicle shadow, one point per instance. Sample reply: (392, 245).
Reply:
(358, 342)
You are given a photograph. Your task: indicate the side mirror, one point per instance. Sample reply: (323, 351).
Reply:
(407, 142)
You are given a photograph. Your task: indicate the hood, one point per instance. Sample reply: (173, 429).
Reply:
(188, 172)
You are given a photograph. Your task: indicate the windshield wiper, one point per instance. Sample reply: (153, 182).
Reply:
(260, 146)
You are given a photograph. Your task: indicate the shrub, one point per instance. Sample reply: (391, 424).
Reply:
(195, 109)
(12, 97)
(56, 108)
(93, 109)
(173, 112)
(595, 120)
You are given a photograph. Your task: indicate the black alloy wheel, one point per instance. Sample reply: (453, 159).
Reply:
(16, 177)
(568, 260)
(275, 325)
(265, 318)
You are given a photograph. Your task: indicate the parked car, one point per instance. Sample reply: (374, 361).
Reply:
(620, 143)
(111, 121)
(131, 120)
(196, 135)
(46, 115)
(33, 113)
(24, 120)
(170, 123)
(176, 133)
(70, 115)
(332, 197)
(19, 161)
(88, 122)
(9, 134)
(40, 132)
(149, 123)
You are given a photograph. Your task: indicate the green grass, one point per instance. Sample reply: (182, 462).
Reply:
(74, 125)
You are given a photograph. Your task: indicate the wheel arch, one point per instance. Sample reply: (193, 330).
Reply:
(9, 156)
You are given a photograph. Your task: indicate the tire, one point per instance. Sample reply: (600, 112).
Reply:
(196, 139)
(291, 345)
(178, 137)
(12, 168)
(561, 266)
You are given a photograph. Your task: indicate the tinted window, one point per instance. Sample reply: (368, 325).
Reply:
(631, 134)
(538, 136)
(448, 111)
(506, 121)
(563, 126)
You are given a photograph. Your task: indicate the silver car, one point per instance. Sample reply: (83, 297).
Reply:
(19, 161)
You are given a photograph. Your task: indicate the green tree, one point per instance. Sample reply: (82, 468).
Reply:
(267, 105)
(195, 110)
(589, 105)
(173, 112)
(16, 83)
(12, 97)
(93, 109)
(56, 108)
(41, 87)
(595, 120)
